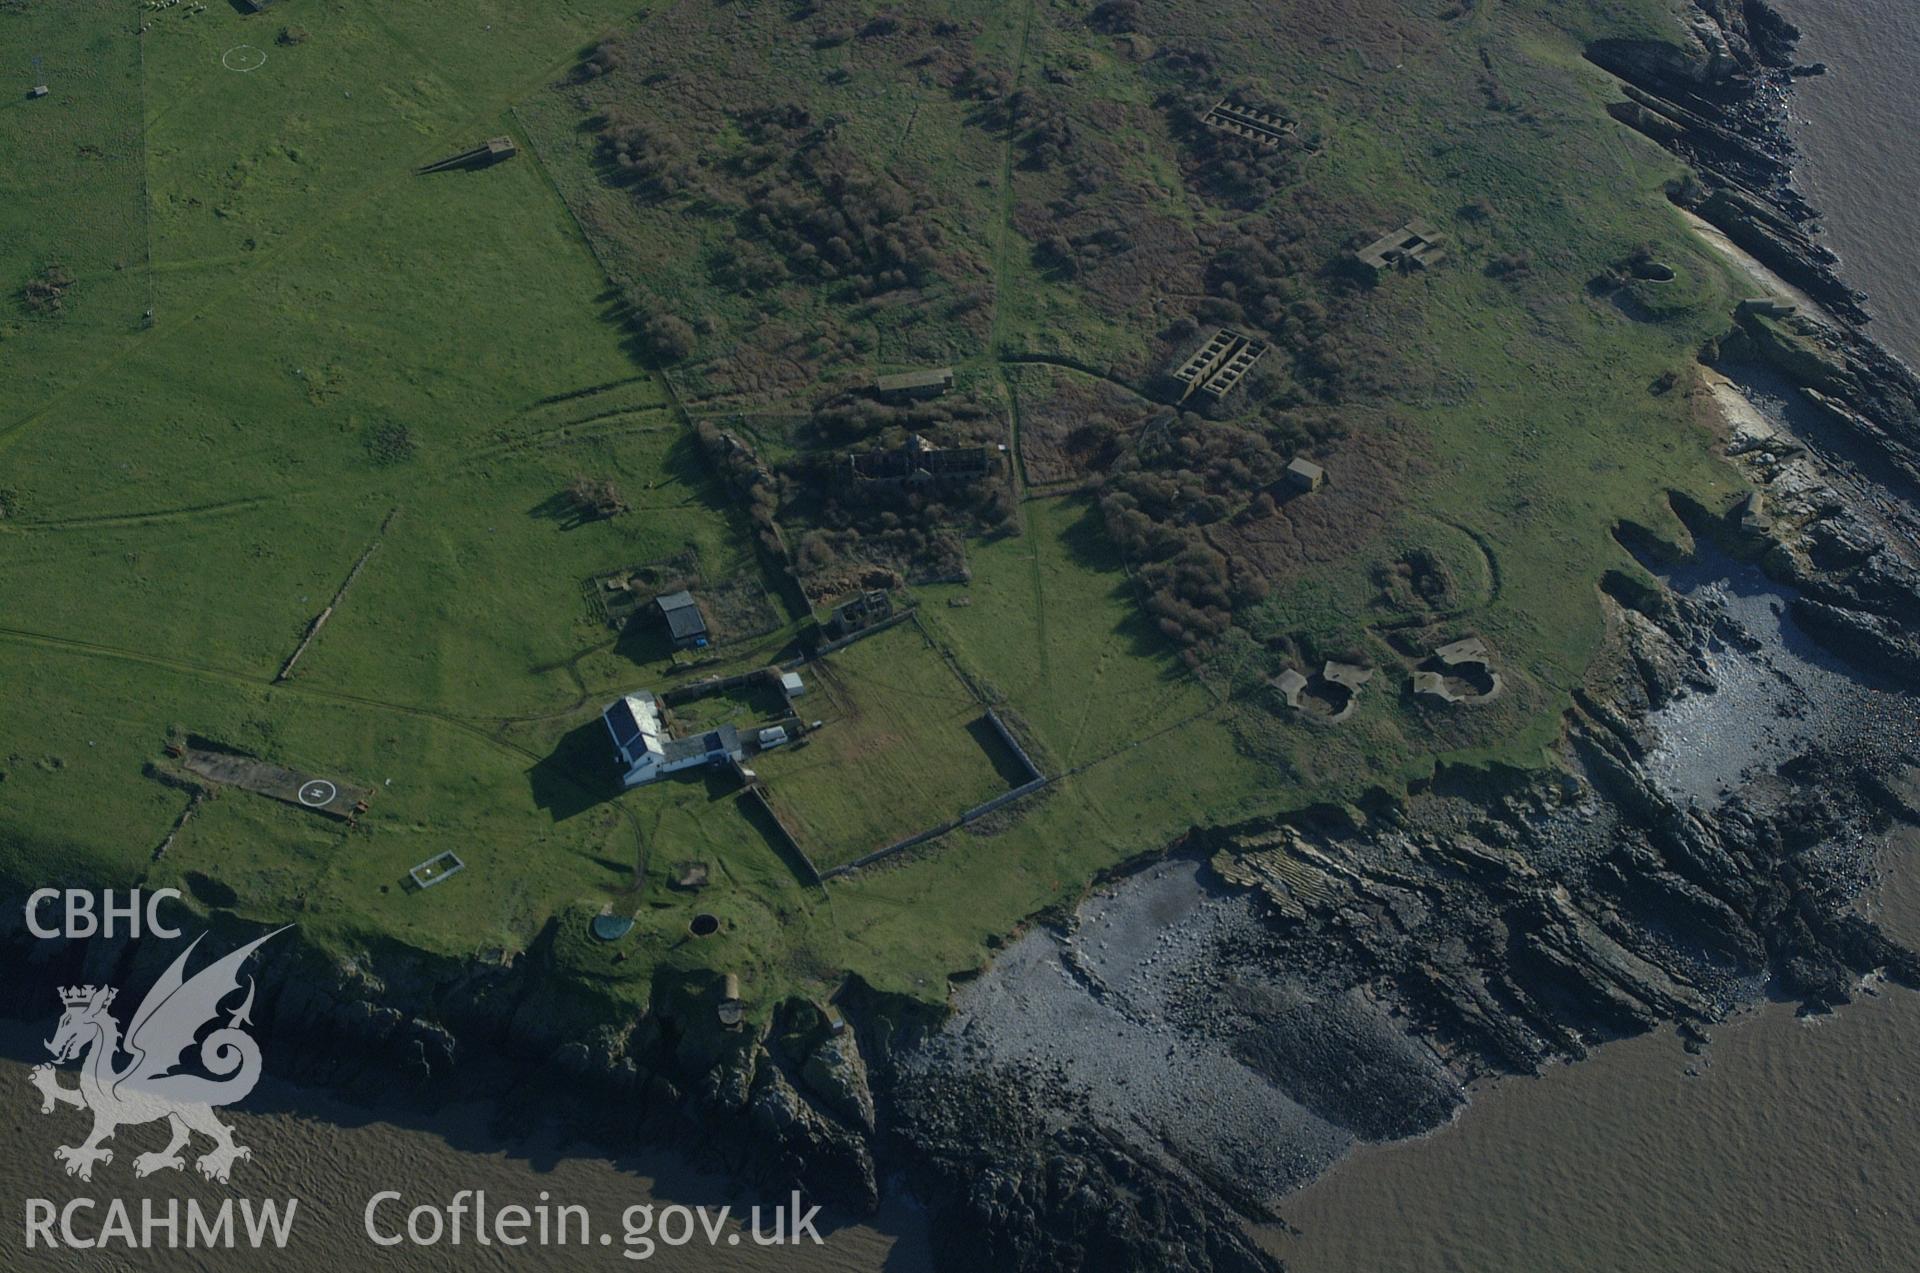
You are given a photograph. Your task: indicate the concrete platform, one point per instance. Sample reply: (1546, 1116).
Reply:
(317, 792)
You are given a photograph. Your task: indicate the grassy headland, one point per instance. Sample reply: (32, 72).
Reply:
(342, 353)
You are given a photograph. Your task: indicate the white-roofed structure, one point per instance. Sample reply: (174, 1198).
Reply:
(648, 751)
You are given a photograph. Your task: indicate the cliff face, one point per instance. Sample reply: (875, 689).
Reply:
(1377, 959)
(785, 1104)
(1723, 41)
(1105, 1071)
(1221, 1028)
(1717, 99)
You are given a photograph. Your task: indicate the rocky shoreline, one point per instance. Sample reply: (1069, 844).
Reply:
(1136, 1079)
(1494, 923)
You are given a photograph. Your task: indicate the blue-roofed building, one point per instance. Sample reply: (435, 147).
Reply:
(648, 751)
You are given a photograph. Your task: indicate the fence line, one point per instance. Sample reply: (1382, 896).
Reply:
(339, 595)
(978, 811)
(786, 832)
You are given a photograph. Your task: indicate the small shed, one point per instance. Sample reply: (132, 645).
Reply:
(1305, 475)
(773, 736)
(732, 1011)
(928, 383)
(1766, 307)
(792, 685)
(38, 90)
(685, 624)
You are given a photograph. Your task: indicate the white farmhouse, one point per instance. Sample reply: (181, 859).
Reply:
(648, 751)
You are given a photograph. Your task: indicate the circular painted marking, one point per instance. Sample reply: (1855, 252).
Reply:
(243, 57)
(317, 792)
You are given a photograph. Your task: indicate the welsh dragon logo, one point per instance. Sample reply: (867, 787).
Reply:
(150, 1085)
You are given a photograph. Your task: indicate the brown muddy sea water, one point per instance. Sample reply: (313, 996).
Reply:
(1790, 1145)
(333, 1157)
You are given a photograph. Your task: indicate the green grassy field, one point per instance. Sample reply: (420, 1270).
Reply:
(86, 135)
(906, 747)
(344, 355)
(188, 501)
(1053, 626)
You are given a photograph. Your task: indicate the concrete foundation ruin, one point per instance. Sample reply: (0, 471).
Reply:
(919, 462)
(1414, 246)
(1459, 672)
(491, 151)
(1255, 125)
(1217, 367)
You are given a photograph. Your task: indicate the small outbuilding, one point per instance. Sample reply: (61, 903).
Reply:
(38, 90)
(1766, 307)
(1305, 475)
(685, 624)
(792, 685)
(930, 382)
(872, 606)
(773, 736)
(1290, 682)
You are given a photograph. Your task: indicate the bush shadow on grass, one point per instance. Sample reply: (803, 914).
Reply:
(564, 511)
(1089, 548)
(578, 775)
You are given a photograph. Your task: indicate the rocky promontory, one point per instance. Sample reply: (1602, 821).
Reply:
(1140, 1075)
